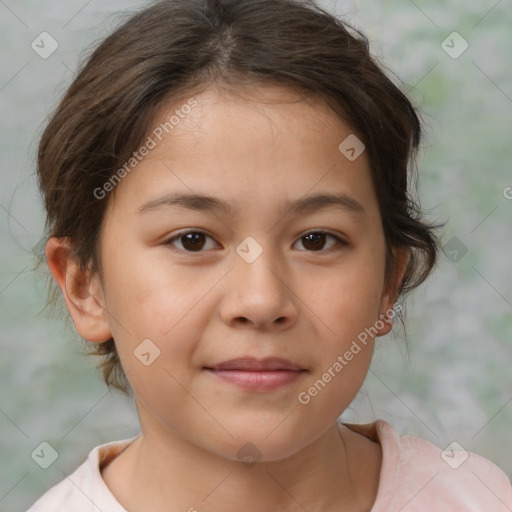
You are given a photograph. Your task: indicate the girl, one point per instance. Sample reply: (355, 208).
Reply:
(227, 190)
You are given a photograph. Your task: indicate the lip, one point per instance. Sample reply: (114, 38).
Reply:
(252, 364)
(253, 374)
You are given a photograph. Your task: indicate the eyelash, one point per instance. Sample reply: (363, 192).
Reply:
(339, 240)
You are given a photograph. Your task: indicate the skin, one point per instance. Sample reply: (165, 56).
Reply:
(255, 151)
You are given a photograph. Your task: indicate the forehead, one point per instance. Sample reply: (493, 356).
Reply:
(267, 143)
(259, 117)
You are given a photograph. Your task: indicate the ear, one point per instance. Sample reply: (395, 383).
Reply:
(82, 292)
(392, 288)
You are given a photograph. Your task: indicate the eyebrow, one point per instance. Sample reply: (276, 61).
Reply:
(303, 205)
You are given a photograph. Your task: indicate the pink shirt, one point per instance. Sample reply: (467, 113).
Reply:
(416, 476)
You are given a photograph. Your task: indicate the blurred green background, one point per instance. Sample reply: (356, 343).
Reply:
(454, 382)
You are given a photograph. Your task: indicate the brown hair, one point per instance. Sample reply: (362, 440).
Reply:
(175, 46)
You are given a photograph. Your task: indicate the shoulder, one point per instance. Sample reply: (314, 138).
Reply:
(419, 476)
(452, 476)
(67, 491)
(84, 490)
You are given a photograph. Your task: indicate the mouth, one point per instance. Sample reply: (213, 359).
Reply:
(253, 374)
(251, 364)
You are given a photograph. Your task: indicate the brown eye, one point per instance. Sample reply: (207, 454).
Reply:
(190, 241)
(316, 240)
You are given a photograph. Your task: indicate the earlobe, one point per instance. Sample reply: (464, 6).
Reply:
(82, 291)
(384, 324)
(391, 291)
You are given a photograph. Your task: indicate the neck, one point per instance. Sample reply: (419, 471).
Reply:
(163, 472)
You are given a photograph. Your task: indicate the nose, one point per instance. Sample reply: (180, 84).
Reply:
(259, 296)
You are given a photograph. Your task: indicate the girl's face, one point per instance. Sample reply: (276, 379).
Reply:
(206, 259)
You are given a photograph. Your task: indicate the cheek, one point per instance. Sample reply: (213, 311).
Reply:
(348, 305)
(151, 301)
(148, 293)
(348, 298)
